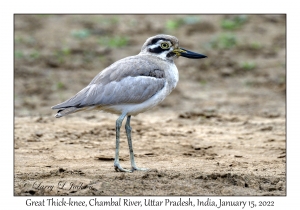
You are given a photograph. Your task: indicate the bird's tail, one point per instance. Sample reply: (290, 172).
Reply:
(66, 111)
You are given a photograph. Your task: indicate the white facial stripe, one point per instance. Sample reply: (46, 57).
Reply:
(163, 55)
(157, 44)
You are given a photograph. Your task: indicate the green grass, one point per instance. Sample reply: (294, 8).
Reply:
(60, 86)
(189, 20)
(177, 23)
(234, 23)
(34, 54)
(256, 45)
(203, 82)
(174, 24)
(224, 41)
(19, 54)
(19, 39)
(248, 65)
(65, 51)
(113, 42)
(62, 54)
(81, 34)
(28, 40)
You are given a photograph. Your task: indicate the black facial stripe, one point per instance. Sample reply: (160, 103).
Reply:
(154, 41)
(158, 50)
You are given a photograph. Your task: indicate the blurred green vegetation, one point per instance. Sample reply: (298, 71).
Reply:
(60, 86)
(32, 55)
(109, 20)
(234, 23)
(256, 45)
(61, 54)
(65, 51)
(173, 24)
(81, 34)
(176, 23)
(223, 41)
(203, 82)
(113, 42)
(248, 65)
(35, 54)
(19, 54)
(27, 40)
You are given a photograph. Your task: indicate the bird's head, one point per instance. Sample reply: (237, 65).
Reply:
(167, 47)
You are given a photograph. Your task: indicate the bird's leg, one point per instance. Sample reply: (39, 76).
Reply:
(128, 133)
(118, 126)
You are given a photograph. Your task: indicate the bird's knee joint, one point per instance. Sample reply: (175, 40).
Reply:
(127, 127)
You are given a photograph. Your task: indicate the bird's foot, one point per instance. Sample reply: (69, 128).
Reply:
(119, 168)
(134, 168)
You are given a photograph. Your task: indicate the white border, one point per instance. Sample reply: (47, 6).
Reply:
(153, 6)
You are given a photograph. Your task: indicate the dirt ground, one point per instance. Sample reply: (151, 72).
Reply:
(222, 131)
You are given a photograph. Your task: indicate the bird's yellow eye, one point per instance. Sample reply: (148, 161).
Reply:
(165, 45)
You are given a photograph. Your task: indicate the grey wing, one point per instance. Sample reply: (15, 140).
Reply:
(134, 81)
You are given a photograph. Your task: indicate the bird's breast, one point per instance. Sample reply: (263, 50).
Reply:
(172, 77)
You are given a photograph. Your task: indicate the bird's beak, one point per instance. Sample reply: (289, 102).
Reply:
(188, 54)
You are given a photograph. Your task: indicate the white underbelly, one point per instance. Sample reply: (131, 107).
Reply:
(134, 109)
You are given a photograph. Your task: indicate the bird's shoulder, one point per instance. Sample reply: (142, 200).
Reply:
(133, 66)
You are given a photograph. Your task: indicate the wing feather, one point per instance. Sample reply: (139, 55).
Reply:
(129, 81)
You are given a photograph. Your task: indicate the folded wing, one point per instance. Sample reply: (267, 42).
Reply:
(131, 80)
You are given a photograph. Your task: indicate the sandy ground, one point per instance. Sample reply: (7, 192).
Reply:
(222, 131)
